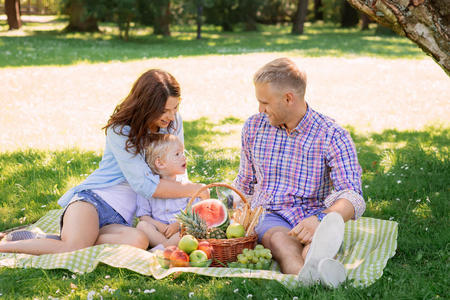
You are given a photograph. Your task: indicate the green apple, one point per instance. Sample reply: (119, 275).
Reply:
(235, 230)
(188, 243)
(198, 258)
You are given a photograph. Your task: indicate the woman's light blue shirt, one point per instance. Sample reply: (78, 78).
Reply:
(118, 165)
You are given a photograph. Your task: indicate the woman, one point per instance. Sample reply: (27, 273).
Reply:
(100, 210)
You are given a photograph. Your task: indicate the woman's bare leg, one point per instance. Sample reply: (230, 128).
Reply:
(80, 230)
(121, 234)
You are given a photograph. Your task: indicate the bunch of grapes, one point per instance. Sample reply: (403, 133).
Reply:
(257, 259)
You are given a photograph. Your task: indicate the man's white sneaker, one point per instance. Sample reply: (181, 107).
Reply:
(331, 272)
(326, 242)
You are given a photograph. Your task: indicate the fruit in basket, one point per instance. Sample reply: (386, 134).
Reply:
(188, 243)
(198, 258)
(214, 212)
(215, 233)
(179, 258)
(235, 230)
(168, 251)
(193, 224)
(206, 247)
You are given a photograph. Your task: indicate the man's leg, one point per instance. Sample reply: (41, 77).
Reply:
(286, 250)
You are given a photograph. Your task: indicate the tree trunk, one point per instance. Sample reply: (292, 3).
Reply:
(365, 21)
(78, 21)
(300, 17)
(199, 19)
(318, 13)
(162, 20)
(425, 22)
(349, 16)
(12, 10)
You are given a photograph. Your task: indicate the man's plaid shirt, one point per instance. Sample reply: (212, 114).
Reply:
(300, 173)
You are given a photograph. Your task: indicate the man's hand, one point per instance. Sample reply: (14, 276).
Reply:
(171, 229)
(304, 230)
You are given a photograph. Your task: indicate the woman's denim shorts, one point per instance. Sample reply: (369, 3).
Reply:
(106, 214)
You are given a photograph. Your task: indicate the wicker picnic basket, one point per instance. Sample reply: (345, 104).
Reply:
(226, 250)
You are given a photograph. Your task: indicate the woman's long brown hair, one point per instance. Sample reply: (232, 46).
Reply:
(142, 107)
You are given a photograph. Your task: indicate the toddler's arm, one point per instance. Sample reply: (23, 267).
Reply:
(161, 227)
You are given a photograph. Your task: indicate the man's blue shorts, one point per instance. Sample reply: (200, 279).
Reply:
(268, 221)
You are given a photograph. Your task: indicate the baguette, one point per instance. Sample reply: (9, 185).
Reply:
(257, 214)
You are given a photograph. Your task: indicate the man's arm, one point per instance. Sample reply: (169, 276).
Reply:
(347, 199)
(346, 177)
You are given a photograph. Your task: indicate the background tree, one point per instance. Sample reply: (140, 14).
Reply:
(12, 10)
(162, 17)
(299, 17)
(223, 13)
(123, 13)
(83, 14)
(425, 22)
(318, 10)
(349, 15)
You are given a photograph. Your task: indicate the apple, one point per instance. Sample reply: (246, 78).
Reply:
(235, 230)
(168, 251)
(188, 243)
(206, 247)
(198, 258)
(179, 258)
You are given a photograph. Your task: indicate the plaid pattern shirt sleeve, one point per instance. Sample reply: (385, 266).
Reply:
(345, 172)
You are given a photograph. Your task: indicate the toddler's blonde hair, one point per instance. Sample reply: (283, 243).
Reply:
(159, 148)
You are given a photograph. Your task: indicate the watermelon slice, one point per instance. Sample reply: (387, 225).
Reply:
(212, 211)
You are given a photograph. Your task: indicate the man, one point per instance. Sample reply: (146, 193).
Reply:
(303, 169)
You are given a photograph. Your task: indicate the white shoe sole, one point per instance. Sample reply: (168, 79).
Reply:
(325, 243)
(332, 273)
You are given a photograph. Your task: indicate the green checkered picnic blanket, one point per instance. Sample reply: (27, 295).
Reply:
(368, 244)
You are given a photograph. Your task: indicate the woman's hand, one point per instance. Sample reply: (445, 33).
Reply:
(171, 229)
(304, 230)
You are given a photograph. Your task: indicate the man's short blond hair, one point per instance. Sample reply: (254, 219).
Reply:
(284, 74)
(159, 148)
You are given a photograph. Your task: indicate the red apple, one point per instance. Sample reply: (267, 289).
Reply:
(179, 258)
(206, 247)
(168, 251)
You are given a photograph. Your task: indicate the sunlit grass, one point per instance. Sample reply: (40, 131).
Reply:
(51, 46)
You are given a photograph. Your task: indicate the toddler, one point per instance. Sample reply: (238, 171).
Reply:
(165, 157)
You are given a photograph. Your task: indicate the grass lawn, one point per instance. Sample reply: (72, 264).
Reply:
(45, 44)
(406, 163)
(405, 179)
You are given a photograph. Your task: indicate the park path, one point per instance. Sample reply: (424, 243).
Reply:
(57, 107)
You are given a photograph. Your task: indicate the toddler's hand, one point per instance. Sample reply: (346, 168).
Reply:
(204, 194)
(171, 229)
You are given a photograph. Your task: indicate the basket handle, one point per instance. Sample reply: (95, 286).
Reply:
(214, 185)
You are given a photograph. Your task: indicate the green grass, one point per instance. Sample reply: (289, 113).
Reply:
(48, 45)
(406, 179)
